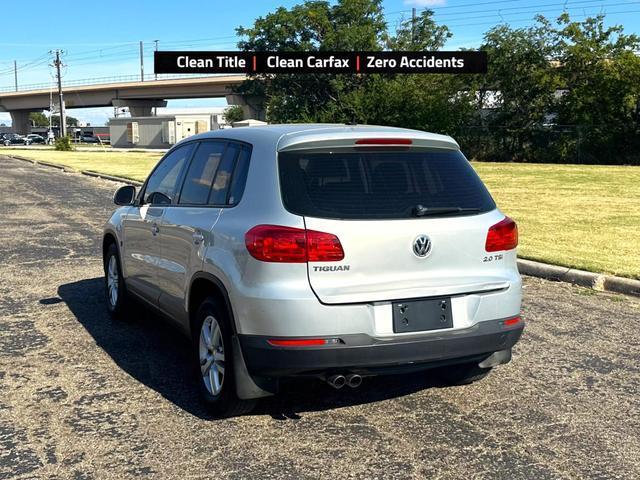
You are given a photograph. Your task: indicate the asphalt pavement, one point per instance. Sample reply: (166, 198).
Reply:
(84, 397)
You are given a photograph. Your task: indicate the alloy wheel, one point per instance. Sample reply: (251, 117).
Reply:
(211, 351)
(112, 281)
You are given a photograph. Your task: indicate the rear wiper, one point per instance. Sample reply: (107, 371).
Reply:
(420, 211)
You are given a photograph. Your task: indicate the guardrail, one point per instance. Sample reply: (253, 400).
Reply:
(151, 77)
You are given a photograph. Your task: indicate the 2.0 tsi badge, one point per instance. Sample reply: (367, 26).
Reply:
(422, 246)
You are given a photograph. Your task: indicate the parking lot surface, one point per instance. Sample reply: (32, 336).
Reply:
(82, 396)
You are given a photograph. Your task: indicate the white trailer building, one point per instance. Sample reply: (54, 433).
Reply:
(160, 131)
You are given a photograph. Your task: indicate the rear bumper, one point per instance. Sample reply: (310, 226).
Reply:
(363, 354)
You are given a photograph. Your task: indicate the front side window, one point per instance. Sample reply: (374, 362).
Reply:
(162, 185)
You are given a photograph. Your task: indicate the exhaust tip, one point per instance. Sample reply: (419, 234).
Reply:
(354, 380)
(337, 381)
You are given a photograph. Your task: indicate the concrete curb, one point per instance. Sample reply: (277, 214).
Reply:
(90, 173)
(113, 178)
(41, 162)
(597, 281)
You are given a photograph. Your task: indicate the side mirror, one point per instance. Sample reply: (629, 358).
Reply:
(125, 195)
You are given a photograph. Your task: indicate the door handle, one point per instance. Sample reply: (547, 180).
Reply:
(198, 238)
(155, 230)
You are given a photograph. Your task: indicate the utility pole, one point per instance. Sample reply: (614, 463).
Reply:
(141, 62)
(63, 117)
(155, 75)
(50, 131)
(156, 49)
(15, 73)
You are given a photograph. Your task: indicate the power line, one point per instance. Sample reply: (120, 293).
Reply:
(563, 8)
(126, 51)
(81, 55)
(134, 45)
(437, 8)
(134, 54)
(520, 9)
(32, 64)
(538, 11)
(122, 46)
(528, 19)
(176, 42)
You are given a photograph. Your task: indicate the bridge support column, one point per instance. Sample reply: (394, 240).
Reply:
(252, 105)
(139, 108)
(20, 122)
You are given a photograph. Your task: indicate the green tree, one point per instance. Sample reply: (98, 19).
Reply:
(516, 96)
(39, 119)
(71, 121)
(560, 91)
(423, 34)
(233, 113)
(349, 25)
(312, 26)
(438, 103)
(601, 73)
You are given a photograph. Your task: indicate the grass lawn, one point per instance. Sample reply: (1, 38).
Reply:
(586, 217)
(581, 216)
(133, 165)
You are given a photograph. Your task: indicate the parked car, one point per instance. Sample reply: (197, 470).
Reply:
(336, 252)
(6, 134)
(15, 139)
(88, 138)
(35, 138)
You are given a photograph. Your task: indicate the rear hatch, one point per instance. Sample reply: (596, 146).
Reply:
(412, 219)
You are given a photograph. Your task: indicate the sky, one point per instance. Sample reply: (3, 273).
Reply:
(102, 40)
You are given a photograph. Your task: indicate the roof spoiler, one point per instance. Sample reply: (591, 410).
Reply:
(315, 141)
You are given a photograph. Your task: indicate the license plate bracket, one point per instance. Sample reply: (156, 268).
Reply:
(422, 315)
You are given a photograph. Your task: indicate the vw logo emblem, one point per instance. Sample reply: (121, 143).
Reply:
(422, 246)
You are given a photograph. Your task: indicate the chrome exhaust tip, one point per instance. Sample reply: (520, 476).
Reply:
(337, 381)
(354, 380)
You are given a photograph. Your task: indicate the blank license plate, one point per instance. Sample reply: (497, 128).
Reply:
(422, 315)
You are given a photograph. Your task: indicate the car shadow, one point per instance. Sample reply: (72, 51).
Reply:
(154, 353)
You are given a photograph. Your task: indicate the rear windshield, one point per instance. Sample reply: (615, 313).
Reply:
(379, 184)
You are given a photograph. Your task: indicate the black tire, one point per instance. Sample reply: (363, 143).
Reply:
(224, 403)
(462, 374)
(120, 306)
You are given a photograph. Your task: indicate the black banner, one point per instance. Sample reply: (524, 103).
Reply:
(320, 62)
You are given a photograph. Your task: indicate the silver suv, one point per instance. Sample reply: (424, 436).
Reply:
(331, 251)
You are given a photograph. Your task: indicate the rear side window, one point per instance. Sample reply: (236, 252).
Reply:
(379, 184)
(239, 178)
(199, 177)
(223, 175)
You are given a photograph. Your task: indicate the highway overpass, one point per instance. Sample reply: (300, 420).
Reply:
(139, 96)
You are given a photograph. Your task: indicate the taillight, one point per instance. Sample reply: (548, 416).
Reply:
(273, 243)
(502, 236)
(323, 247)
